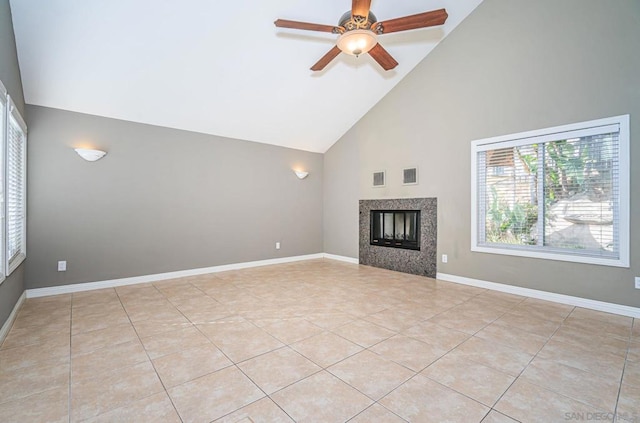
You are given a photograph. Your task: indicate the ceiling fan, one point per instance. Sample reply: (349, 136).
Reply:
(359, 30)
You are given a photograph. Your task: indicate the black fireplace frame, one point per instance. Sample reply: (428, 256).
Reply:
(404, 243)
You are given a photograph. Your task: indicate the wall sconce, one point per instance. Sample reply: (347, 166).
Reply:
(90, 155)
(301, 174)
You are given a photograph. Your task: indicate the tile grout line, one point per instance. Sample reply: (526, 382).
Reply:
(399, 333)
(543, 387)
(474, 335)
(624, 367)
(377, 403)
(415, 373)
(520, 374)
(238, 367)
(70, 355)
(474, 361)
(264, 392)
(320, 370)
(233, 363)
(148, 357)
(247, 289)
(133, 327)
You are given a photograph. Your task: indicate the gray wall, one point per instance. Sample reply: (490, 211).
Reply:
(341, 195)
(511, 66)
(161, 200)
(13, 286)
(9, 68)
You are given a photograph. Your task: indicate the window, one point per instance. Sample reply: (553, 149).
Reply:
(4, 106)
(559, 193)
(13, 137)
(15, 190)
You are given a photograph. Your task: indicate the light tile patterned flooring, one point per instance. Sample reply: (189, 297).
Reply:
(315, 341)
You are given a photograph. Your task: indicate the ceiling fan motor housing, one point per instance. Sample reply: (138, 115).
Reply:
(350, 23)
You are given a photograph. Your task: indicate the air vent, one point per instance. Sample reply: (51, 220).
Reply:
(410, 176)
(378, 179)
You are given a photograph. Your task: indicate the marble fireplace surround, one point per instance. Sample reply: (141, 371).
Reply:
(423, 262)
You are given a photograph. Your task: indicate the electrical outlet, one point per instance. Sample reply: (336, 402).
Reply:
(277, 245)
(444, 258)
(637, 282)
(62, 266)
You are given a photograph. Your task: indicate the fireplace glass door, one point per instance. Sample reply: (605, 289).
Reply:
(396, 228)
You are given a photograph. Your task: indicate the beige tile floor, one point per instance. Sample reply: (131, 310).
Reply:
(317, 341)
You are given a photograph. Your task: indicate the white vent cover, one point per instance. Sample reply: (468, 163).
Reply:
(410, 176)
(378, 178)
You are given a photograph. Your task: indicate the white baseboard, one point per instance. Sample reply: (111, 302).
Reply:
(544, 295)
(527, 292)
(12, 317)
(341, 258)
(90, 286)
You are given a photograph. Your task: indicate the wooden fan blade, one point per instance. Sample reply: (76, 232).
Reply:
(283, 23)
(360, 7)
(421, 20)
(326, 59)
(383, 57)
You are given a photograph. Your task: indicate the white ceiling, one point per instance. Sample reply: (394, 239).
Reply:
(220, 68)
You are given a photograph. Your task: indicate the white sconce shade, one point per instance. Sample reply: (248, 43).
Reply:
(301, 174)
(90, 155)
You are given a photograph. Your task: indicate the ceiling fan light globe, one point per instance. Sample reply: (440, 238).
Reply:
(357, 42)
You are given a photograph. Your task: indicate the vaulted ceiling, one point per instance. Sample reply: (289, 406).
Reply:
(220, 68)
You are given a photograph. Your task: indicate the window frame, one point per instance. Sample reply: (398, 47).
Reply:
(9, 110)
(4, 130)
(12, 263)
(554, 134)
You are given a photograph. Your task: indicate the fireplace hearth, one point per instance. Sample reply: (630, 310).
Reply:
(408, 225)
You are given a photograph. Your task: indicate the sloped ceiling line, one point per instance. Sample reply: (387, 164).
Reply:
(232, 72)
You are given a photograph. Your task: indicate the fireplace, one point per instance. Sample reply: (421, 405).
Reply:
(399, 234)
(395, 228)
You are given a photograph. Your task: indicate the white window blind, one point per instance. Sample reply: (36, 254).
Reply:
(4, 107)
(15, 191)
(559, 194)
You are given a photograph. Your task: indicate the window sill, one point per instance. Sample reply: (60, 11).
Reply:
(15, 263)
(601, 261)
